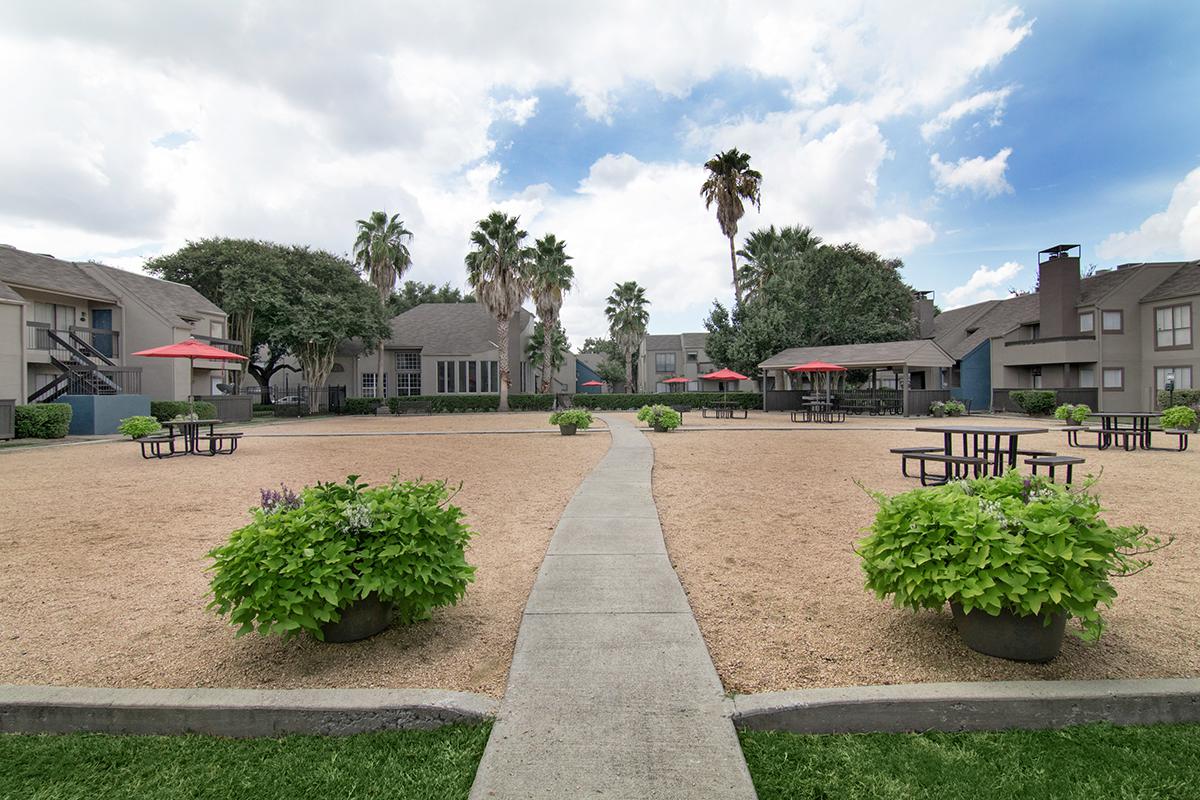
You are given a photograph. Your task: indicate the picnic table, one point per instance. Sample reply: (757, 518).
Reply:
(723, 409)
(998, 447)
(188, 431)
(1111, 428)
(819, 411)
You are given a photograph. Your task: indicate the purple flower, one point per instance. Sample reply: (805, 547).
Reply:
(272, 500)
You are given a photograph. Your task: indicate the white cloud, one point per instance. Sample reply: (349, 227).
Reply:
(985, 283)
(980, 176)
(983, 101)
(1173, 233)
(518, 110)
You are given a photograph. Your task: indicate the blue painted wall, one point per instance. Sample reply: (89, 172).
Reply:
(94, 414)
(975, 377)
(583, 374)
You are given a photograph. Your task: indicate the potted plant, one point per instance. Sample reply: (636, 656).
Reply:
(138, 427)
(341, 561)
(937, 408)
(955, 408)
(1014, 556)
(571, 419)
(663, 419)
(1072, 415)
(1178, 418)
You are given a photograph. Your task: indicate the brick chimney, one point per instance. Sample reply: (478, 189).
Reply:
(923, 313)
(1058, 290)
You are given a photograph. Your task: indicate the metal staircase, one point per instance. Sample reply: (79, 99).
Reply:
(79, 374)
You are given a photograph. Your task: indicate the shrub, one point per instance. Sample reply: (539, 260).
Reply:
(660, 417)
(1182, 397)
(164, 410)
(42, 421)
(1024, 545)
(625, 402)
(1034, 401)
(581, 418)
(361, 405)
(259, 408)
(462, 403)
(1074, 414)
(303, 559)
(937, 408)
(955, 408)
(1178, 417)
(137, 427)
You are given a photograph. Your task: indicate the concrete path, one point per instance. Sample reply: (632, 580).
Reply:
(612, 692)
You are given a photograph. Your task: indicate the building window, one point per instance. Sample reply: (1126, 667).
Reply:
(1087, 322)
(1036, 374)
(1114, 379)
(1183, 377)
(1173, 327)
(664, 362)
(445, 377)
(1087, 377)
(368, 384)
(1112, 321)
(692, 357)
(408, 360)
(408, 383)
(1033, 332)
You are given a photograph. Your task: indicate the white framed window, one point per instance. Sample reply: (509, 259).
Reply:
(1173, 327)
(368, 384)
(1114, 379)
(1087, 377)
(408, 360)
(1112, 321)
(408, 383)
(1183, 377)
(1087, 322)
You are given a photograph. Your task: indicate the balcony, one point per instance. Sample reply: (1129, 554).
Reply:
(41, 337)
(1057, 350)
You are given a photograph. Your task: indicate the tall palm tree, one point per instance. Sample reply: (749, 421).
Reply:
(768, 251)
(498, 272)
(730, 181)
(381, 253)
(627, 321)
(550, 278)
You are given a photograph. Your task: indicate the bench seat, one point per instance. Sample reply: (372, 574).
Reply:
(956, 466)
(1052, 462)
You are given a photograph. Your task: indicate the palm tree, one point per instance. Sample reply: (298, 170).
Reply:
(498, 272)
(381, 253)
(627, 321)
(730, 180)
(550, 278)
(767, 252)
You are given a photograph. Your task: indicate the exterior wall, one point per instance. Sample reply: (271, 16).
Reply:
(975, 377)
(1153, 358)
(12, 360)
(100, 414)
(1125, 350)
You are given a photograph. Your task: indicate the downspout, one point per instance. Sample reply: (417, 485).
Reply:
(764, 387)
(1098, 327)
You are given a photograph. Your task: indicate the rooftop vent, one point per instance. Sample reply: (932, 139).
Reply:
(1058, 251)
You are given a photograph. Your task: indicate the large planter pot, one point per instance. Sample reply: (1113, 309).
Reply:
(938, 414)
(567, 430)
(661, 429)
(360, 620)
(1010, 636)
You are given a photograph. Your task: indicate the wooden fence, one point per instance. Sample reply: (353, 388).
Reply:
(231, 407)
(8, 419)
(1002, 402)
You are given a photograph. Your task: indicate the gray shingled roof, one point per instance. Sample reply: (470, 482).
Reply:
(694, 341)
(7, 293)
(50, 274)
(172, 300)
(950, 328)
(662, 341)
(914, 352)
(450, 328)
(592, 360)
(1094, 289)
(1185, 281)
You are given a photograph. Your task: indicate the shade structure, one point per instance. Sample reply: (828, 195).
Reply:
(817, 366)
(676, 382)
(191, 349)
(724, 375)
(592, 383)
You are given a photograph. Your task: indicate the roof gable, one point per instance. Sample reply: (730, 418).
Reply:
(49, 274)
(175, 302)
(1184, 281)
(450, 328)
(913, 352)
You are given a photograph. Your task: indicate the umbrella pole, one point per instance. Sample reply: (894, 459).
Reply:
(191, 396)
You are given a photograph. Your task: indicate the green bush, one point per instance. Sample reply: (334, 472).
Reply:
(1074, 414)
(456, 403)
(43, 421)
(619, 402)
(304, 558)
(259, 408)
(361, 405)
(1023, 545)
(1182, 397)
(165, 410)
(581, 418)
(137, 427)
(955, 408)
(1034, 402)
(660, 417)
(1178, 417)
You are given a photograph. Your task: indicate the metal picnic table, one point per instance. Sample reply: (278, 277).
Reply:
(1139, 423)
(189, 431)
(978, 440)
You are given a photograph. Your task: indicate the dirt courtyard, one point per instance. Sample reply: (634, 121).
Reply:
(766, 558)
(102, 555)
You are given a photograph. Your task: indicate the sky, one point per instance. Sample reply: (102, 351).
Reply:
(960, 137)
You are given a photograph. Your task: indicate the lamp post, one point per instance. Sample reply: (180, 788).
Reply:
(1170, 388)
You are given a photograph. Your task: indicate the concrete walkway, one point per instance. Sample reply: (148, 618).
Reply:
(612, 692)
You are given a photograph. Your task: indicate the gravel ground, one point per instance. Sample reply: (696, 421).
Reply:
(102, 578)
(766, 559)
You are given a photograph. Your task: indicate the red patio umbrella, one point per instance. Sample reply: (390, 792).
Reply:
(724, 375)
(592, 383)
(819, 367)
(674, 381)
(191, 349)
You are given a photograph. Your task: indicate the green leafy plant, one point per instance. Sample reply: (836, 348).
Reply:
(955, 408)
(137, 427)
(1073, 414)
(658, 416)
(1024, 545)
(581, 418)
(303, 558)
(1179, 417)
(1034, 401)
(937, 408)
(1180, 397)
(42, 421)
(167, 410)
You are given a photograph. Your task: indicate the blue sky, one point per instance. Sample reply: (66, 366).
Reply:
(959, 137)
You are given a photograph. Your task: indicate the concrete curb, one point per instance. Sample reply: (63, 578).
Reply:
(970, 706)
(234, 712)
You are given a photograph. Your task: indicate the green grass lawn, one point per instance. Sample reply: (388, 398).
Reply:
(406, 764)
(1093, 762)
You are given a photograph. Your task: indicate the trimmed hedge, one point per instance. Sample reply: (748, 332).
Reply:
(620, 402)
(358, 405)
(261, 407)
(1183, 397)
(1035, 401)
(165, 410)
(43, 421)
(452, 403)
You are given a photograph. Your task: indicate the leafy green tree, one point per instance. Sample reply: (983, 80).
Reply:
(381, 252)
(596, 344)
(551, 361)
(730, 181)
(767, 251)
(498, 273)
(829, 296)
(328, 304)
(550, 278)
(612, 369)
(627, 321)
(415, 293)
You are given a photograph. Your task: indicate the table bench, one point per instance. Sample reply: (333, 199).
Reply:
(219, 443)
(906, 453)
(1055, 461)
(726, 410)
(955, 467)
(152, 446)
(1130, 437)
(1181, 433)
